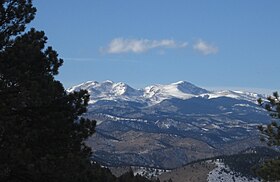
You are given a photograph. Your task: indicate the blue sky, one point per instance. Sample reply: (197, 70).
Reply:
(214, 44)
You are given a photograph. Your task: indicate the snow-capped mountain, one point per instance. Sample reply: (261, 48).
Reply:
(181, 90)
(169, 125)
(242, 95)
(108, 90)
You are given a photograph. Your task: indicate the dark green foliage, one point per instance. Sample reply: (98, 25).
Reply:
(271, 132)
(102, 174)
(270, 170)
(271, 135)
(42, 133)
(129, 177)
(14, 15)
(247, 162)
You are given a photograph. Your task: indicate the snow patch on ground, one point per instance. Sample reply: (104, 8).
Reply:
(223, 173)
(148, 172)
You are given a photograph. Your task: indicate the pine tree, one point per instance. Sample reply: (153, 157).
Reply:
(14, 15)
(42, 132)
(271, 135)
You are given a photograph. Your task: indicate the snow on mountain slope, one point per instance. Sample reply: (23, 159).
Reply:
(241, 95)
(181, 90)
(223, 173)
(108, 90)
(154, 94)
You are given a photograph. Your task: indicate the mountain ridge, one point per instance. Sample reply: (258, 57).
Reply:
(145, 127)
(154, 94)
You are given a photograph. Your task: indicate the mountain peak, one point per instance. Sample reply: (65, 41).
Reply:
(189, 88)
(108, 82)
(180, 82)
(85, 86)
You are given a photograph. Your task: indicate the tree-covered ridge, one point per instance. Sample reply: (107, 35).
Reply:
(247, 163)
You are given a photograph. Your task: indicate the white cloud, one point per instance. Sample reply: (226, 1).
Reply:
(205, 48)
(121, 45)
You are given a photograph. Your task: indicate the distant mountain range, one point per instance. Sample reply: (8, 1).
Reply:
(155, 94)
(170, 125)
